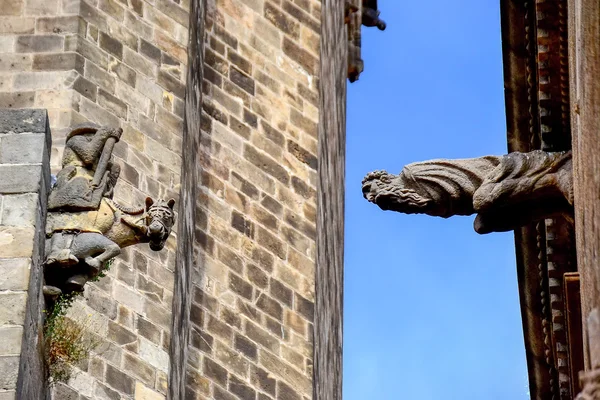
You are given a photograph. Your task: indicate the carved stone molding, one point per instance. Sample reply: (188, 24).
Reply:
(505, 192)
(85, 227)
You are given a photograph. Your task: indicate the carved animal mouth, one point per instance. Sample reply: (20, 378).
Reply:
(156, 246)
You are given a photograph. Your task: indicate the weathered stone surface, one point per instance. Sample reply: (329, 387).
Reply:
(39, 43)
(22, 149)
(19, 209)
(506, 192)
(13, 309)
(11, 340)
(14, 273)
(10, 395)
(16, 241)
(142, 392)
(9, 368)
(23, 121)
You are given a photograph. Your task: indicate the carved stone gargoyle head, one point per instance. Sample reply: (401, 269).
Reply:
(388, 192)
(159, 220)
(505, 192)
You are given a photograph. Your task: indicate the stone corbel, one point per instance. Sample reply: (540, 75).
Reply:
(506, 192)
(85, 227)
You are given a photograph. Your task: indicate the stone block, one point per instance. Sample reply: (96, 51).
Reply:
(111, 45)
(12, 7)
(12, 337)
(97, 114)
(20, 178)
(14, 273)
(41, 7)
(138, 368)
(43, 80)
(12, 311)
(99, 76)
(128, 297)
(154, 355)
(119, 380)
(17, 99)
(58, 62)
(63, 392)
(85, 88)
(19, 209)
(214, 371)
(10, 395)
(123, 72)
(15, 62)
(61, 24)
(7, 44)
(39, 43)
(267, 164)
(142, 392)
(112, 103)
(139, 63)
(22, 149)
(9, 370)
(16, 241)
(16, 25)
(23, 121)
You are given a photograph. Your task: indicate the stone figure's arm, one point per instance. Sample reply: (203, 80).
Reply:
(89, 149)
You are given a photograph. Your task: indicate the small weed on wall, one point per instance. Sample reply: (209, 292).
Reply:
(67, 341)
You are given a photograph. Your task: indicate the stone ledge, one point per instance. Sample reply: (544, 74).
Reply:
(23, 121)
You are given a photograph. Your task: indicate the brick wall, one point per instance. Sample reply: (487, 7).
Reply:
(252, 308)
(122, 63)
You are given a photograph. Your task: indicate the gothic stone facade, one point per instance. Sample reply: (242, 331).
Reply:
(123, 63)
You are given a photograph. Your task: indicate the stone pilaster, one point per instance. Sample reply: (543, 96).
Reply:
(24, 184)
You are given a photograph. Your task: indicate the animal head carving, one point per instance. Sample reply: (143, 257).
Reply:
(160, 218)
(390, 192)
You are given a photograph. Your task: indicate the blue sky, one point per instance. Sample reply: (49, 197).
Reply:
(431, 307)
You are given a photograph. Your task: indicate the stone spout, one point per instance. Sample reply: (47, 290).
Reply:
(505, 192)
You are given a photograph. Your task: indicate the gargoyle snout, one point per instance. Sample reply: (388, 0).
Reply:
(367, 189)
(155, 228)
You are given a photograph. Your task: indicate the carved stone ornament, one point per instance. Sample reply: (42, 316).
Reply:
(85, 227)
(505, 192)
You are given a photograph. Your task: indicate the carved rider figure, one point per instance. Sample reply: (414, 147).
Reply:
(85, 227)
(88, 174)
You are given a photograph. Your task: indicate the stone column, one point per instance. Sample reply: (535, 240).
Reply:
(24, 185)
(329, 273)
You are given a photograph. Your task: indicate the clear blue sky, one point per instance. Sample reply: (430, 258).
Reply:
(431, 307)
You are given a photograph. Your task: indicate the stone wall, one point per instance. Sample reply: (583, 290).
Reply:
(122, 63)
(25, 172)
(252, 310)
(116, 63)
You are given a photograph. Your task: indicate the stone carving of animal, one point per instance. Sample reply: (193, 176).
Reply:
(505, 191)
(80, 243)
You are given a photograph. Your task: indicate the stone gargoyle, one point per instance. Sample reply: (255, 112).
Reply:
(85, 227)
(506, 192)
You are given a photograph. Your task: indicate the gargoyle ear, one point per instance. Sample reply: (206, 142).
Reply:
(149, 203)
(171, 203)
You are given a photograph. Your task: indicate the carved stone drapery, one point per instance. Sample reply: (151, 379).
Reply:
(505, 192)
(85, 227)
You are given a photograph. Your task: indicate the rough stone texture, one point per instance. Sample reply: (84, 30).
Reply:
(25, 160)
(507, 192)
(256, 204)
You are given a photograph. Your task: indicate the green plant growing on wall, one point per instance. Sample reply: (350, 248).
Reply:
(67, 342)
